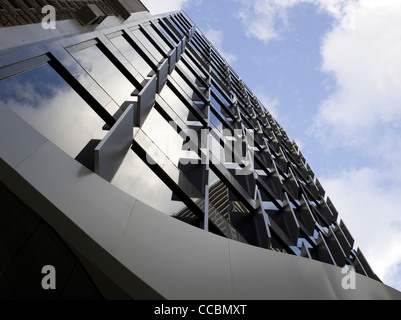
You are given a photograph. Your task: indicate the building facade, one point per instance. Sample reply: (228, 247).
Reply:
(22, 12)
(138, 164)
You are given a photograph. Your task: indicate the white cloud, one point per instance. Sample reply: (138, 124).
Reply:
(365, 63)
(51, 114)
(261, 18)
(157, 6)
(216, 37)
(266, 20)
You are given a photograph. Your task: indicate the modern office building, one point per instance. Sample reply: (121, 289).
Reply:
(137, 164)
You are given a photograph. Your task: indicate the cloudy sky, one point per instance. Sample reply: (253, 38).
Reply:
(330, 73)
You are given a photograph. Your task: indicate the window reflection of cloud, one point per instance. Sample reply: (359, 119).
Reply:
(174, 102)
(56, 111)
(135, 178)
(31, 87)
(149, 46)
(163, 135)
(132, 56)
(105, 73)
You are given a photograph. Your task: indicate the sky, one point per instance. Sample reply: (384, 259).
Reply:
(330, 72)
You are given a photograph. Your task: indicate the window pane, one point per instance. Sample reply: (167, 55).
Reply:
(163, 135)
(105, 74)
(159, 40)
(153, 51)
(184, 86)
(175, 103)
(161, 29)
(137, 179)
(132, 55)
(44, 100)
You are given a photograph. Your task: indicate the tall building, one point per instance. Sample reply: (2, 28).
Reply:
(135, 163)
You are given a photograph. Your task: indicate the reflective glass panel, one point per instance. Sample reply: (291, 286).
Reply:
(163, 135)
(161, 29)
(132, 55)
(184, 86)
(158, 39)
(194, 67)
(105, 73)
(137, 179)
(174, 102)
(188, 72)
(148, 45)
(44, 100)
(217, 90)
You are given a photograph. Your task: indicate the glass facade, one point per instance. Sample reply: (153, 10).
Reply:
(43, 99)
(209, 153)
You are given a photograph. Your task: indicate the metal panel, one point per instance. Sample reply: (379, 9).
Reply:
(184, 44)
(179, 51)
(18, 139)
(146, 100)
(273, 275)
(178, 260)
(305, 216)
(112, 149)
(162, 73)
(172, 59)
(89, 213)
(335, 248)
(102, 212)
(22, 66)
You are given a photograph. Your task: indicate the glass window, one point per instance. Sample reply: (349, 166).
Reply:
(217, 124)
(185, 86)
(198, 71)
(136, 178)
(148, 45)
(132, 55)
(105, 73)
(218, 91)
(43, 99)
(158, 153)
(164, 27)
(183, 21)
(166, 35)
(176, 27)
(177, 105)
(190, 75)
(203, 54)
(179, 24)
(163, 135)
(158, 39)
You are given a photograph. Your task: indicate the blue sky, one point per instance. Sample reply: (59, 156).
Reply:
(330, 72)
